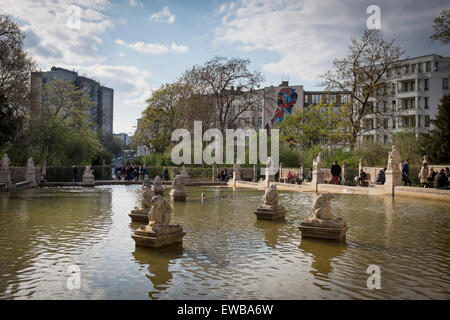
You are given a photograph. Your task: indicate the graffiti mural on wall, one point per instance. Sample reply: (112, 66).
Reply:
(287, 97)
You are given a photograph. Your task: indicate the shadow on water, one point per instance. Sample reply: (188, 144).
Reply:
(158, 262)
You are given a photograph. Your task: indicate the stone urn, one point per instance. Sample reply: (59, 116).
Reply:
(178, 192)
(270, 210)
(141, 214)
(157, 186)
(158, 232)
(323, 224)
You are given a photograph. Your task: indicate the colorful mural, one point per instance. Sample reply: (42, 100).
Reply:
(287, 97)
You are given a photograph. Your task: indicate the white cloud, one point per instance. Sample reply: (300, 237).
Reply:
(179, 48)
(153, 48)
(293, 29)
(49, 40)
(163, 16)
(135, 3)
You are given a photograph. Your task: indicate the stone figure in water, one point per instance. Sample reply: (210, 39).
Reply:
(322, 207)
(146, 204)
(5, 162)
(159, 215)
(270, 196)
(323, 216)
(157, 186)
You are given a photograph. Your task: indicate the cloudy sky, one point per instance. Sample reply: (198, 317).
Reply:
(134, 46)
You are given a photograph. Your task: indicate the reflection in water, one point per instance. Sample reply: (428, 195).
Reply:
(322, 253)
(227, 253)
(158, 262)
(271, 230)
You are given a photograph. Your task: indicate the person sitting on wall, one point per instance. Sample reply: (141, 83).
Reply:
(297, 179)
(381, 176)
(441, 180)
(335, 173)
(430, 177)
(447, 173)
(358, 179)
(165, 174)
(289, 177)
(309, 178)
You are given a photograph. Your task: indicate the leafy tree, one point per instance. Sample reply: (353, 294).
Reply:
(62, 131)
(437, 143)
(15, 71)
(314, 125)
(362, 76)
(441, 27)
(162, 116)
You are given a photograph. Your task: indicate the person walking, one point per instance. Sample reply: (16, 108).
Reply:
(405, 173)
(75, 174)
(336, 171)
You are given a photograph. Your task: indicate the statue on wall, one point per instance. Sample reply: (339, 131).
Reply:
(317, 163)
(5, 162)
(394, 159)
(30, 165)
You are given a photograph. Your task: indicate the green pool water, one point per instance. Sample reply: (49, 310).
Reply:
(226, 253)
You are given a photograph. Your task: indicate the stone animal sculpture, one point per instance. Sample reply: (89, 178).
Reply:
(270, 197)
(160, 214)
(322, 207)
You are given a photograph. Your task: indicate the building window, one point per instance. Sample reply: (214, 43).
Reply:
(425, 102)
(427, 121)
(413, 68)
(394, 124)
(445, 83)
(425, 84)
(407, 68)
(428, 66)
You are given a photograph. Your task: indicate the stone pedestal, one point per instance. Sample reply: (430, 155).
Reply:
(169, 235)
(5, 177)
(139, 215)
(158, 191)
(335, 229)
(185, 176)
(269, 178)
(31, 176)
(268, 212)
(88, 180)
(393, 179)
(177, 195)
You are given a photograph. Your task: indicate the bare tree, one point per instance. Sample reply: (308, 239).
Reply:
(227, 86)
(441, 27)
(364, 74)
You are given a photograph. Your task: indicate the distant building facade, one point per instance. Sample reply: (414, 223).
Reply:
(101, 112)
(417, 87)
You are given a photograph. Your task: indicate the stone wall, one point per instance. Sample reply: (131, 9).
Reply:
(422, 193)
(18, 173)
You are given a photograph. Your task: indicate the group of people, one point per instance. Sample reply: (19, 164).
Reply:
(130, 172)
(435, 179)
(294, 178)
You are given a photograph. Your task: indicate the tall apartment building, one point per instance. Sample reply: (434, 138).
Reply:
(103, 109)
(417, 87)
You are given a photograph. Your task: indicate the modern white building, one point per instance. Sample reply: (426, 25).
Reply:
(417, 88)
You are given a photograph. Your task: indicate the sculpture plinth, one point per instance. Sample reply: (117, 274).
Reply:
(5, 178)
(145, 236)
(270, 210)
(323, 225)
(158, 233)
(178, 193)
(266, 212)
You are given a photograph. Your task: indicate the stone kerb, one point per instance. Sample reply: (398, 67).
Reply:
(422, 193)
